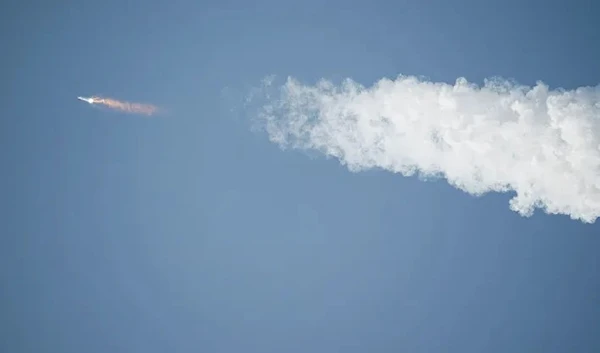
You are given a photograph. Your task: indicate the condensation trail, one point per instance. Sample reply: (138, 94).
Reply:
(129, 107)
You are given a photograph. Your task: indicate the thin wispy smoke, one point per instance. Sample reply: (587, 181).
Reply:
(543, 144)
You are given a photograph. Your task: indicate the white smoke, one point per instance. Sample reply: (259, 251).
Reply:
(543, 144)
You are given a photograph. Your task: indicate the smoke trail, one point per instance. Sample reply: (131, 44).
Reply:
(136, 108)
(543, 144)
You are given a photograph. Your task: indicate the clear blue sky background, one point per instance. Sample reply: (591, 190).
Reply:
(192, 233)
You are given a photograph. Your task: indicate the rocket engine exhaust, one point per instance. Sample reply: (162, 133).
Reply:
(124, 106)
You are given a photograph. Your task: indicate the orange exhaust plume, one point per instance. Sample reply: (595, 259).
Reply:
(136, 108)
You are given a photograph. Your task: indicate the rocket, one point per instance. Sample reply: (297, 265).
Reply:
(123, 106)
(89, 100)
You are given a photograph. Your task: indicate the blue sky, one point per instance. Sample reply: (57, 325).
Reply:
(192, 231)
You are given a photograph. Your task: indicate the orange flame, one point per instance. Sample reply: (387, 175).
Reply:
(136, 108)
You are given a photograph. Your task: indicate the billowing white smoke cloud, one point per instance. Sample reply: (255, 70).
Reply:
(543, 144)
